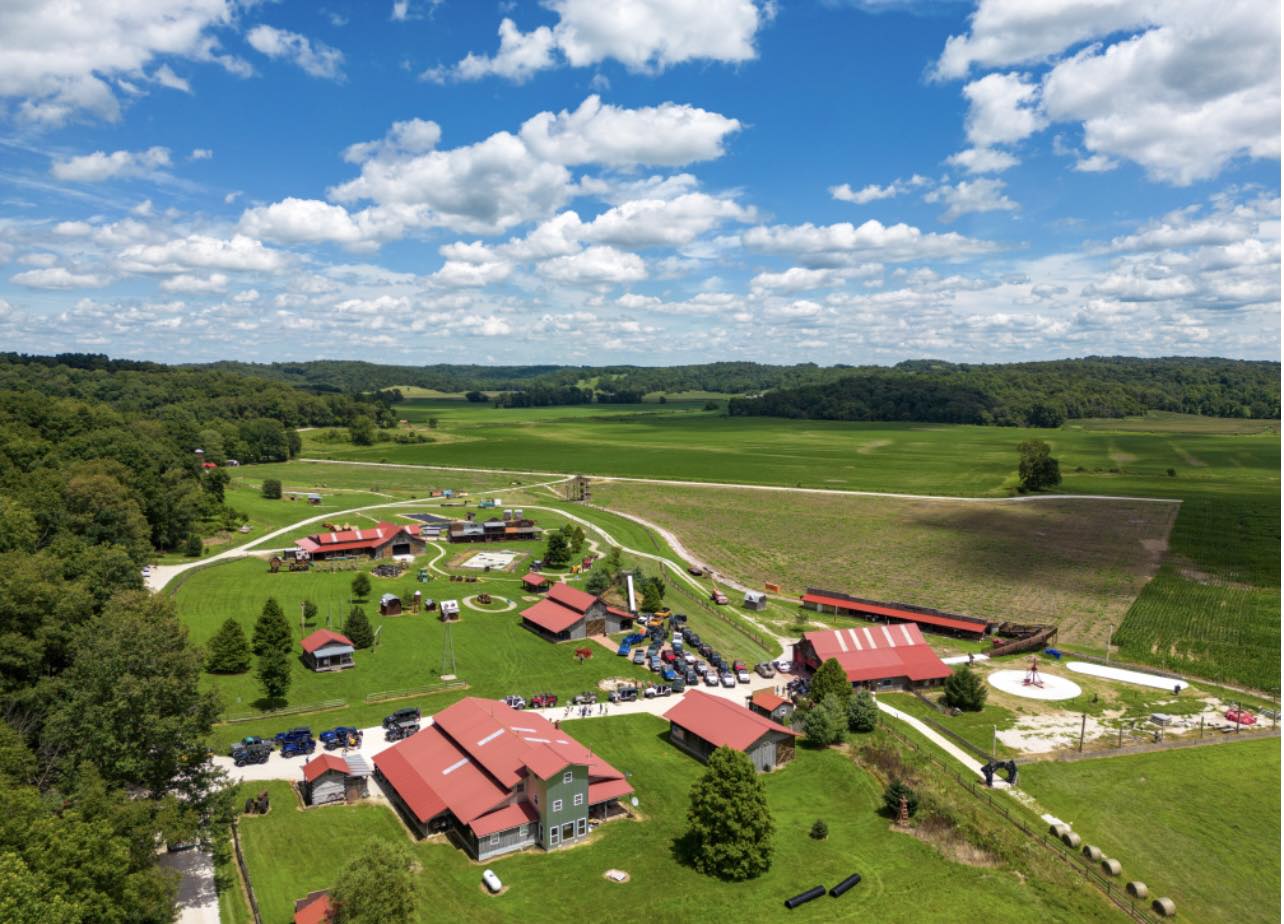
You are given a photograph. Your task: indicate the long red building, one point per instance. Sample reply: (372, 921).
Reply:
(878, 657)
(382, 541)
(831, 601)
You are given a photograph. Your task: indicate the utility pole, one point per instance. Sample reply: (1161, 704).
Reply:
(1083, 727)
(1110, 631)
(994, 742)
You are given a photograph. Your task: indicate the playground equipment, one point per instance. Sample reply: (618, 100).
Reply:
(1008, 767)
(803, 898)
(1032, 676)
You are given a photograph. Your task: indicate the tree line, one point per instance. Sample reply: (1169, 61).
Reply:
(1036, 394)
(103, 721)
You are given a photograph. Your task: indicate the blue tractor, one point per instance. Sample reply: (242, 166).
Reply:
(344, 736)
(295, 741)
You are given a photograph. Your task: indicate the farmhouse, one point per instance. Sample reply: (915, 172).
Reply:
(830, 601)
(498, 780)
(331, 778)
(569, 613)
(879, 657)
(701, 723)
(325, 650)
(383, 541)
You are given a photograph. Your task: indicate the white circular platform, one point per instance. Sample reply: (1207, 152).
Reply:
(1053, 688)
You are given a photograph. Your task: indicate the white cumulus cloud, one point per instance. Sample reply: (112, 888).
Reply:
(99, 166)
(315, 58)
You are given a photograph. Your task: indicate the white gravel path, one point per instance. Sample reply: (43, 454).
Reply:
(945, 744)
(1124, 675)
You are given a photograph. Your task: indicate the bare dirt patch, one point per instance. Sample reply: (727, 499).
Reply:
(946, 840)
(1076, 563)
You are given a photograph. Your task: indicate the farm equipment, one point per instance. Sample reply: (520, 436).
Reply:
(401, 724)
(296, 741)
(344, 736)
(718, 596)
(251, 751)
(257, 805)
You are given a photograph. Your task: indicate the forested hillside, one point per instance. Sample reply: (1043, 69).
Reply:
(1041, 394)
(102, 722)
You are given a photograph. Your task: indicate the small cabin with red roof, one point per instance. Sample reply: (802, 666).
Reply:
(701, 723)
(535, 582)
(325, 650)
(771, 705)
(567, 613)
(314, 908)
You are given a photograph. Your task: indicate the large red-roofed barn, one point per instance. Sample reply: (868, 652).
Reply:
(568, 613)
(831, 601)
(499, 780)
(879, 656)
(383, 541)
(701, 723)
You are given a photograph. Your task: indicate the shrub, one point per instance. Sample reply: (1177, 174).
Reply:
(193, 547)
(271, 489)
(361, 586)
(892, 798)
(819, 830)
(965, 690)
(826, 722)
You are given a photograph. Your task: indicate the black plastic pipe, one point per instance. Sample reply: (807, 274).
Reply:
(804, 897)
(852, 880)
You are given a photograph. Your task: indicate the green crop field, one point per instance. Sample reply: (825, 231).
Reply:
(1200, 825)
(292, 851)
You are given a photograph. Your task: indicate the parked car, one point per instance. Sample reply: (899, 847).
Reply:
(587, 698)
(742, 676)
(1241, 716)
(664, 691)
(728, 679)
(649, 692)
(625, 695)
(669, 674)
(679, 684)
(711, 678)
(668, 656)
(705, 649)
(765, 670)
(738, 665)
(696, 570)
(639, 655)
(543, 700)
(784, 666)
(514, 702)
(344, 736)
(693, 679)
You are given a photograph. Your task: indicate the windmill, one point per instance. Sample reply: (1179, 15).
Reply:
(447, 669)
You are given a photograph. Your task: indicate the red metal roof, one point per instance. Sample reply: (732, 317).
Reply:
(534, 580)
(767, 699)
(552, 616)
(894, 612)
(473, 756)
(346, 540)
(322, 637)
(319, 765)
(616, 611)
(607, 790)
(573, 597)
(720, 721)
(510, 816)
(315, 909)
(879, 652)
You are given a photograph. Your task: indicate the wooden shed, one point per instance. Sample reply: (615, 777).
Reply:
(389, 605)
(331, 778)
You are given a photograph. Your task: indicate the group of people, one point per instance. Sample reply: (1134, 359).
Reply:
(586, 711)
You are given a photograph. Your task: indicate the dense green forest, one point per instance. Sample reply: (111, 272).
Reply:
(102, 722)
(1031, 394)
(1038, 394)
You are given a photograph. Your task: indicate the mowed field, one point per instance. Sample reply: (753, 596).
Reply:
(1199, 825)
(1076, 563)
(292, 851)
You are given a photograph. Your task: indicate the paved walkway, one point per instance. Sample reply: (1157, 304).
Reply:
(945, 744)
(197, 896)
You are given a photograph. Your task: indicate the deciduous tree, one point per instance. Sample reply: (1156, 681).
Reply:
(377, 887)
(830, 681)
(731, 827)
(1037, 468)
(271, 489)
(558, 553)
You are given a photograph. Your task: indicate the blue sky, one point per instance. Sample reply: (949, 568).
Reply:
(647, 181)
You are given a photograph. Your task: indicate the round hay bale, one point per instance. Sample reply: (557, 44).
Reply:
(1058, 830)
(1092, 852)
(1164, 907)
(1137, 889)
(1071, 840)
(1111, 867)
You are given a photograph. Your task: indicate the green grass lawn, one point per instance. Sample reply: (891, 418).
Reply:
(292, 851)
(1200, 825)
(494, 654)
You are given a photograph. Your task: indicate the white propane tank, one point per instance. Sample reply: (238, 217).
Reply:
(492, 881)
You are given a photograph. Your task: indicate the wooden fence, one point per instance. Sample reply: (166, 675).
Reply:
(1112, 890)
(245, 874)
(388, 695)
(323, 706)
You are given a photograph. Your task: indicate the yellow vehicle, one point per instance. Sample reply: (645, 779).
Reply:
(663, 613)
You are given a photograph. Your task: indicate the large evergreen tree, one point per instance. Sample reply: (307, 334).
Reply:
(558, 552)
(274, 674)
(272, 631)
(229, 652)
(831, 681)
(376, 887)
(862, 712)
(731, 827)
(965, 690)
(826, 722)
(357, 628)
